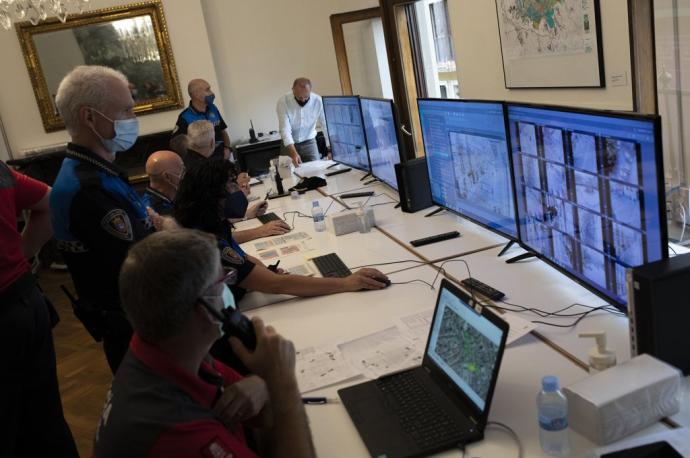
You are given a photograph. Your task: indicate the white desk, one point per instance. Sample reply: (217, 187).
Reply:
(344, 316)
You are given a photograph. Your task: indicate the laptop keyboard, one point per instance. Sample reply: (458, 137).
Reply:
(419, 414)
(330, 265)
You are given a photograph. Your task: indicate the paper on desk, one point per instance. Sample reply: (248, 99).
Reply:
(416, 326)
(518, 327)
(317, 367)
(282, 240)
(382, 352)
(302, 269)
(679, 439)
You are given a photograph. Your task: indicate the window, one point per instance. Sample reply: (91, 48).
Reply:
(420, 42)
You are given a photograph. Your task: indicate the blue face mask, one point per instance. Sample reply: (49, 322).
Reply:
(208, 100)
(236, 204)
(126, 134)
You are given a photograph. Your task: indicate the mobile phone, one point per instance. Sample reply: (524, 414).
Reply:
(235, 325)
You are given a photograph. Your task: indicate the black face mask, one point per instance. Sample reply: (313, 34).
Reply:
(302, 103)
(236, 204)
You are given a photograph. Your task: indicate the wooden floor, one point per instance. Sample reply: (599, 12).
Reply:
(83, 372)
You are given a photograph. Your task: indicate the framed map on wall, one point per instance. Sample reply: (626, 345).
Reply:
(550, 43)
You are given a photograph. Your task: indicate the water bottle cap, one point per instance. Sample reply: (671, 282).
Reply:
(315, 203)
(549, 383)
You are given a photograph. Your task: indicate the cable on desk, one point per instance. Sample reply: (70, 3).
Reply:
(295, 214)
(671, 248)
(412, 281)
(329, 207)
(510, 431)
(391, 262)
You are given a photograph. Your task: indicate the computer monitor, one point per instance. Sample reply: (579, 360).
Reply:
(469, 162)
(381, 127)
(590, 192)
(346, 131)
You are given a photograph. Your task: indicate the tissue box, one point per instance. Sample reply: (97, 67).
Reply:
(623, 399)
(348, 221)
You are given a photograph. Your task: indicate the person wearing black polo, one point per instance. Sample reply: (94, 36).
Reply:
(165, 170)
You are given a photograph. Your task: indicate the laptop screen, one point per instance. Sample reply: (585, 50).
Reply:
(465, 346)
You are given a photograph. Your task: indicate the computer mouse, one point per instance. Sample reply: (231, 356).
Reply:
(386, 281)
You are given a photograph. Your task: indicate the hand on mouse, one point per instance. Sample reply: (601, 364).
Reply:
(366, 278)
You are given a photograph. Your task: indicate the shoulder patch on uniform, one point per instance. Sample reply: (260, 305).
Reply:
(117, 223)
(216, 449)
(231, 256)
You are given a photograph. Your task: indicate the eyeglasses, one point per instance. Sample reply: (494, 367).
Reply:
(229, 278)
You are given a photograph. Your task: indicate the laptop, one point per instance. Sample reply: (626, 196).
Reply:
(444, 403)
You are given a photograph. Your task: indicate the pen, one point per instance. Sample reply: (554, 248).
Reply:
(274, 267)
(318, 400)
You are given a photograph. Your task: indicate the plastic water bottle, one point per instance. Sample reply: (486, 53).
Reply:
(319, 219)
(552, 407)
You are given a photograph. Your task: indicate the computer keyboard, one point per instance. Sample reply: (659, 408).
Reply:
(419, 414)
(483, 289)
(330, 265)
(268, 217)
(435, 238)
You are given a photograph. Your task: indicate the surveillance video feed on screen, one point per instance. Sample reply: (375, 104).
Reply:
(346, 132)
(465, 346)
(588, 192)
(382, 139)
(468, 161)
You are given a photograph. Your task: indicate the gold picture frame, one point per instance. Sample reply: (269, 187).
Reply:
(138, 25)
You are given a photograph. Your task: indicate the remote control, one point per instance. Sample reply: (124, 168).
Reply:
(435, 238)
(351, 195)
(483, 289)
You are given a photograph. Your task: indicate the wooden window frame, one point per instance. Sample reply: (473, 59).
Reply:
(337, 23)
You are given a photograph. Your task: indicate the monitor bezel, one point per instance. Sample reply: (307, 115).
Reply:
(512, 238)
(396, 122)
(361, 117)
(661, 189)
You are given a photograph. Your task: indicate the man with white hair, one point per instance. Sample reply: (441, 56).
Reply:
(298, 112)
(96, 214)
(201, 142)
(201, 107)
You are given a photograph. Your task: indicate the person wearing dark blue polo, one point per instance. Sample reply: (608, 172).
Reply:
(201, 107)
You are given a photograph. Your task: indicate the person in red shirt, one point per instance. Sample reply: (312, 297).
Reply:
(169, 397)
(33, 423)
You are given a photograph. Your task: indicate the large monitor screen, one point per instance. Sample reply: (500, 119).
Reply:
(468, 161)
(382, 139)
(346, 131)
(589, 192)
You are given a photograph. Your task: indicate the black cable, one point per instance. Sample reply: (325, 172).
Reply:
(674, 251)
(412, 281)
(294, 215)
(391, 262)
(329, 207)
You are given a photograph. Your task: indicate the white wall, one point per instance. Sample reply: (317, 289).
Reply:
(18, 108)
(261, 46)
(480, 69)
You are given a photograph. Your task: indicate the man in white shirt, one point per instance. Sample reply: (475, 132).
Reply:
(298, 112)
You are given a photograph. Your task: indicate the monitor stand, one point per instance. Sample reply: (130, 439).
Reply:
(520, 257)
(370, 181)
(397, 205)
(332, 165)
(365, 176)
(438, 210)
(506, 248)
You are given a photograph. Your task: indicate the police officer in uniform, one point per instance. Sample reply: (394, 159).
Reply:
(201, 107)
(96, 214)
(165, 170)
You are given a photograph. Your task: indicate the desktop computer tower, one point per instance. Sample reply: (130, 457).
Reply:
(413, 185)
(659, 310)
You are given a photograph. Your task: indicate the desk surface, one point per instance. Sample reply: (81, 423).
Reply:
(340, 317)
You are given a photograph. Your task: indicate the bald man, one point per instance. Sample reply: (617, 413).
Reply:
(201, 107)
(165, 170)
(298, 113)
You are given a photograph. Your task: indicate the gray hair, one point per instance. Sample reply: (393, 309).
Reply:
(162, 278)
(85, 85)
(200, 134)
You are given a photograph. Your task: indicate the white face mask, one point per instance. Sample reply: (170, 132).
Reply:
(228, 302)
(126, 134)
